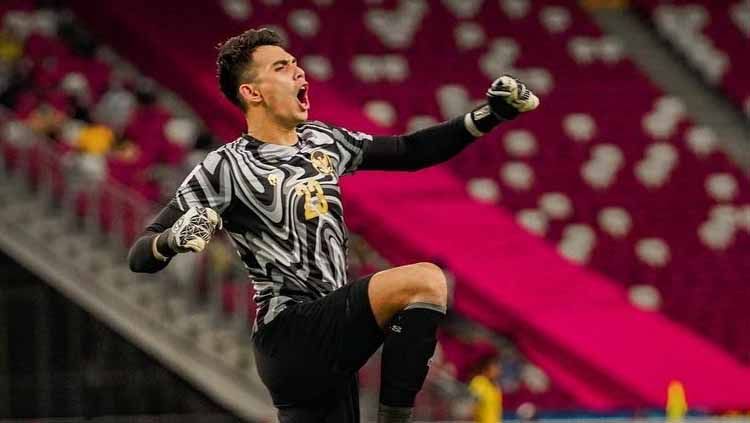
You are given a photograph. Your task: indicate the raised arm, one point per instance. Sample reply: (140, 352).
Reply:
(506, 98)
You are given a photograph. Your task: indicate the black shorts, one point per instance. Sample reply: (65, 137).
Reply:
(308, 356)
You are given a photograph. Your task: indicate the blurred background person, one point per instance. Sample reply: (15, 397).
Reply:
(676, 402)
(485, 385)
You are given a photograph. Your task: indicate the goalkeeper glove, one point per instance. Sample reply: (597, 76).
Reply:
(191, 232)
(507, 97)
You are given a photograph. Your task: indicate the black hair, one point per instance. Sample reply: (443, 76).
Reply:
(235, 58)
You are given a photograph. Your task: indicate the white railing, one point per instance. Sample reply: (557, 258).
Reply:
(116, 214)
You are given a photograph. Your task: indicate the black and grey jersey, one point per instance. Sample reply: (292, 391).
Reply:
(281, 206)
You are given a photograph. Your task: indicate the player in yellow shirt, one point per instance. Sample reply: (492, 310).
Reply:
(485, 388)
(676, 402)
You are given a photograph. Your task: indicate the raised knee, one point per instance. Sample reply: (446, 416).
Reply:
(432, 285)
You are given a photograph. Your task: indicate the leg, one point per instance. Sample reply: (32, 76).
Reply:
(308, 357)
(299, 415)
(408, 302)
(344, 408)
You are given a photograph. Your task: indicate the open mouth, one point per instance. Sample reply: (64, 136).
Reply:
(302, 99)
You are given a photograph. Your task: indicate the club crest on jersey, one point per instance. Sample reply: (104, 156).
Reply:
(321, 162)
(273, 179)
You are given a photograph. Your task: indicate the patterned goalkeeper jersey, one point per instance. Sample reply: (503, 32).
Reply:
(281, 206)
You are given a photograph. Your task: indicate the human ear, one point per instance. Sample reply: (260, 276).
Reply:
(250, 94)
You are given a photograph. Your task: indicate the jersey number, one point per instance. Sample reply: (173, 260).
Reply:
(313, 209)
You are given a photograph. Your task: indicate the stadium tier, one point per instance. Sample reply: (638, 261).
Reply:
(606, 234)
(712, 37)
(76, 79)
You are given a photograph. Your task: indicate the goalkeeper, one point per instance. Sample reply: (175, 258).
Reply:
(276, 191)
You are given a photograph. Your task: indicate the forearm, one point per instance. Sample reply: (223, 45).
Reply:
(429, 146)
(417, 150)
(436, 144)
(151, 252)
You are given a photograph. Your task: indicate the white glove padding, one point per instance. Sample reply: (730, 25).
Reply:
(513, 92)
(193, 230)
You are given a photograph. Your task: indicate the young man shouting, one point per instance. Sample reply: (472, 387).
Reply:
(276, 191)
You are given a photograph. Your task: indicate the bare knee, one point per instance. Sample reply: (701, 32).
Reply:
(429, 286)
(392, 290)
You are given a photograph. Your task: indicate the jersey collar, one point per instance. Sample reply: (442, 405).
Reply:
(270, 151)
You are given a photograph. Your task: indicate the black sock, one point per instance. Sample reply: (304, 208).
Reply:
(408, 347)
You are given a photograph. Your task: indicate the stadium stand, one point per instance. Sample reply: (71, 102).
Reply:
(606, 167)
(631, 189)
(313, 32)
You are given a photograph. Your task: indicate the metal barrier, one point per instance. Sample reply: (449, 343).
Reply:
(116, 214)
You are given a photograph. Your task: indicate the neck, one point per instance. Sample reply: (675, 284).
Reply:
(265, 128)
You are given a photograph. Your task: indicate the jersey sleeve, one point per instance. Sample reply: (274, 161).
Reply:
(208, 185)
(351, 146)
